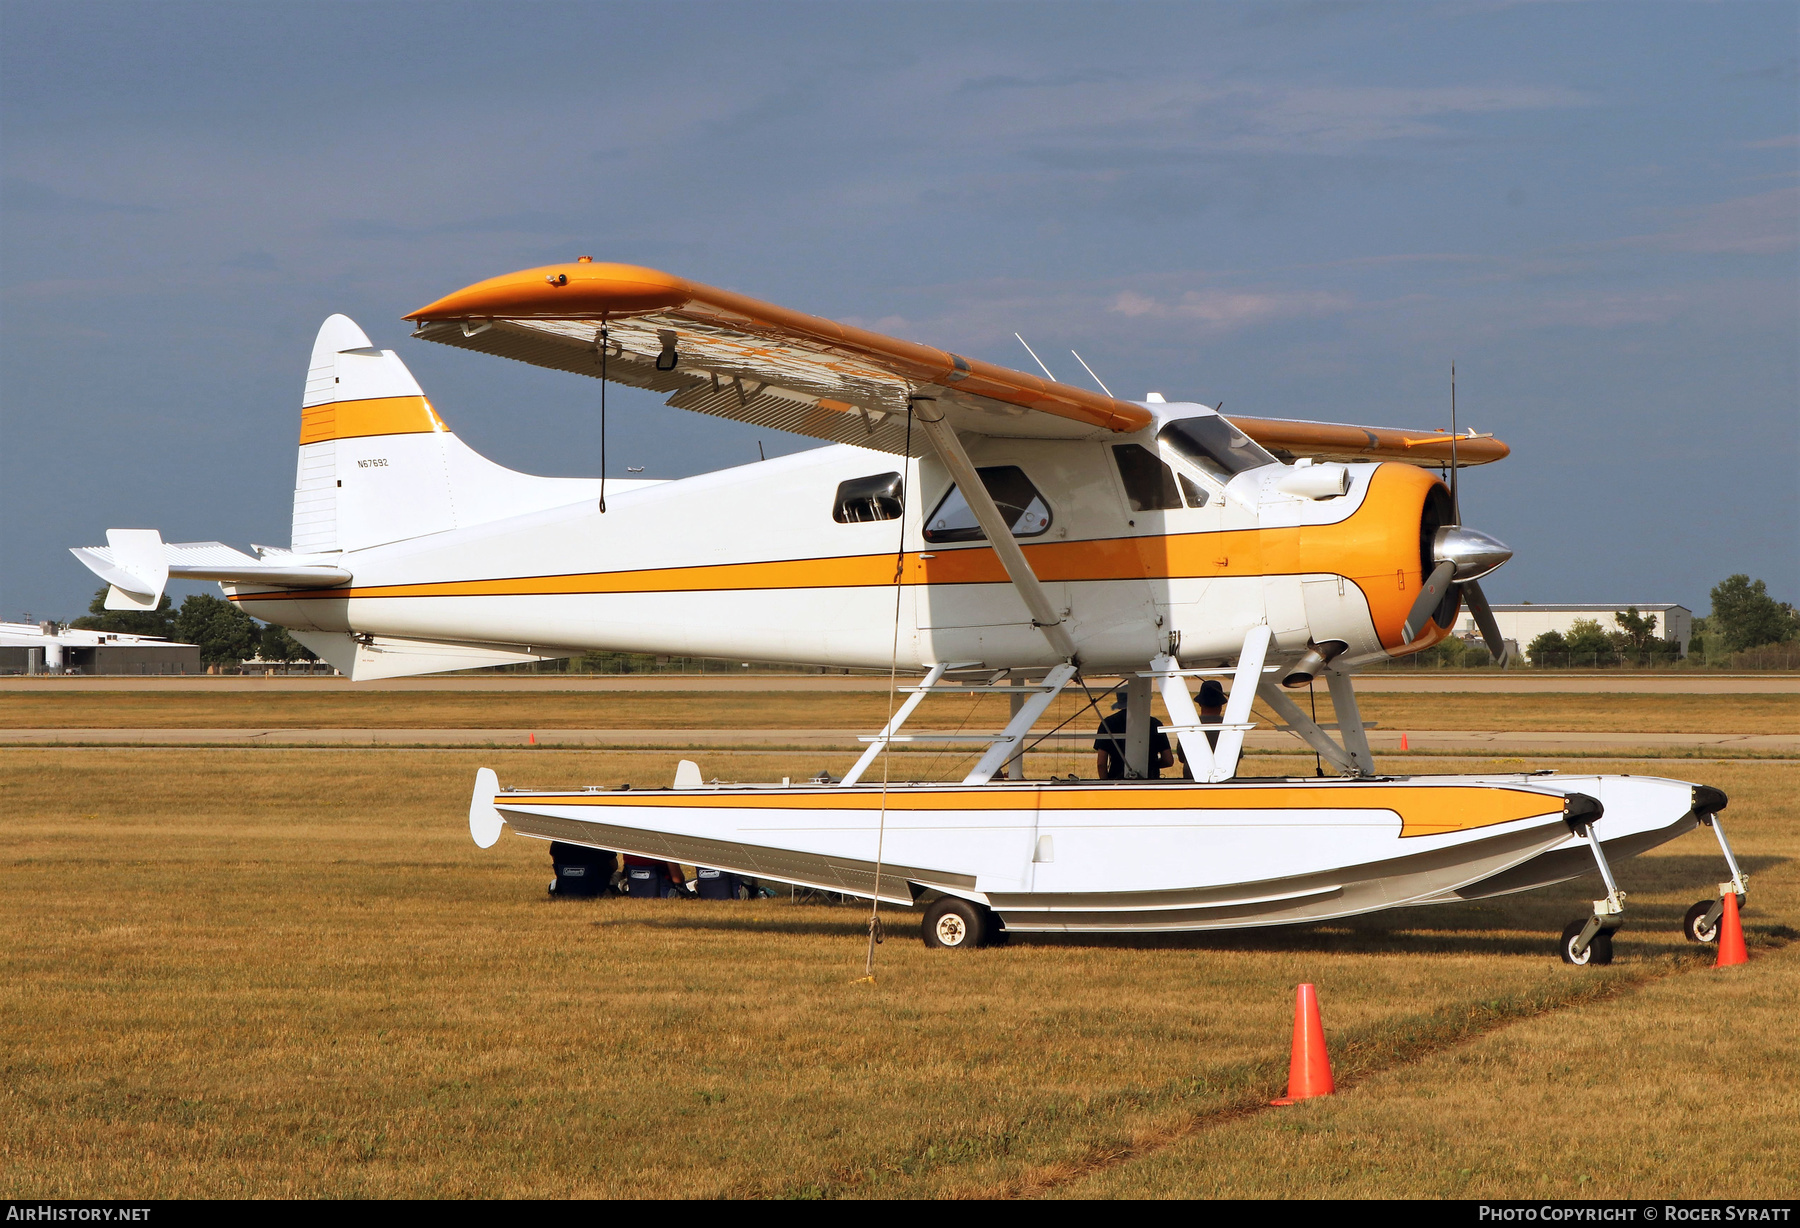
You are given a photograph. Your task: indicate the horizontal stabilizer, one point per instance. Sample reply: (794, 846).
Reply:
(132, 563)
(138, 563)
(365, 658)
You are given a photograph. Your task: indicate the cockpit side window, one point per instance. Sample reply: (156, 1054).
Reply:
(1196, 494)
(1018, 500)
(1215, 446)
(1149, 484)
(877, 497)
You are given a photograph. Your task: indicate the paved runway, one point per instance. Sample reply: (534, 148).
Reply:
(1380, 740)
(1683, 682)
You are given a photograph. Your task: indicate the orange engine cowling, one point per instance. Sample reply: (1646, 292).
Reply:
(1386, 549)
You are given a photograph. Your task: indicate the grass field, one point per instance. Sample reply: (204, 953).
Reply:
(266, 972)
(834, 710)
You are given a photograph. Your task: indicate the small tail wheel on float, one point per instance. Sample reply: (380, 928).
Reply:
(955, 925)
(1701, 924)
(1598, 951)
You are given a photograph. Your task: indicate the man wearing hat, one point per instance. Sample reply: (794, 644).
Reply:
(1211, 701)
(1109, 744)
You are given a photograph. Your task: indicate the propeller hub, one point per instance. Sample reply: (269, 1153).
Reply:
(1474, 554)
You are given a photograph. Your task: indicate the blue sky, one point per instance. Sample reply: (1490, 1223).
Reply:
(1303, 210)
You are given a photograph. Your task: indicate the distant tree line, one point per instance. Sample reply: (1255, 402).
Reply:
(1744, 619)
(225, 634)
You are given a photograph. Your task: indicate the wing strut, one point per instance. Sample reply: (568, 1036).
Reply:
(999, 534)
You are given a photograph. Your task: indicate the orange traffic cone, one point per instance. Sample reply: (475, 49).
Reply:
(534, 739)
(1731, 936)
(1403, 745)
(1309, 1069)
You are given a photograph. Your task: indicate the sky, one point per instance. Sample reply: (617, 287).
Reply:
(1302, 210)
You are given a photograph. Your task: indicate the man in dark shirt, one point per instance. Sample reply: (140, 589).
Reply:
(1211, 702)
(1109, 745)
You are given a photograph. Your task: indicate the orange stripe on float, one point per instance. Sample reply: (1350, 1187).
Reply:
(1425, 811)
(375, 416)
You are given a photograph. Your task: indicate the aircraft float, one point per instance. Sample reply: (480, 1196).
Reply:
(990, 530)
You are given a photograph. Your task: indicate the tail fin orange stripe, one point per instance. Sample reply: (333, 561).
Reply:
(357, 419)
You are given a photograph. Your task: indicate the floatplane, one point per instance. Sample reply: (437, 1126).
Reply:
(981, 527)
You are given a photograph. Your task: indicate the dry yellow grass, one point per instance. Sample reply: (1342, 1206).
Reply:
(1683, 1089)
(290, 973)
(832, 710)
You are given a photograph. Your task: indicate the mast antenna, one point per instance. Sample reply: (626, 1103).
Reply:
(1036, 359)
(1455, 503)
(1090, 371)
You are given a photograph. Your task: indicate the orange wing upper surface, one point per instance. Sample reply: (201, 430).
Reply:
(719, 352)
(1340, 441)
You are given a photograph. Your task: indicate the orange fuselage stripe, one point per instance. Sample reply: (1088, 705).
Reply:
(1423, 811)
(1377, 549)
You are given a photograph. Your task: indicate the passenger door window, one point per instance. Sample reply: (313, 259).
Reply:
(1018, 500)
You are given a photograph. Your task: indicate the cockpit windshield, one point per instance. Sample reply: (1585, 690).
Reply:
(1213, 444)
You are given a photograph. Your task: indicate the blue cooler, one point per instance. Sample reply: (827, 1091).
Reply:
(716, 885)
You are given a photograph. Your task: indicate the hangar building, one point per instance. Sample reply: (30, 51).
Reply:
(42, 648)
(1524, 623)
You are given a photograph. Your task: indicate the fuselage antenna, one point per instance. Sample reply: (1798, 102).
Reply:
(1036, 359)
(1091, 375)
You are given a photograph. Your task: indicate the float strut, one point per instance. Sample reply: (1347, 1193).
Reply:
(1609, 914)
(1737, 884)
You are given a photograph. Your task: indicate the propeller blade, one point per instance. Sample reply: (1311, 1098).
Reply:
(1430, 597)
(1484, 618)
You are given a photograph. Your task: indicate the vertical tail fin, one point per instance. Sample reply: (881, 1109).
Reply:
(378, 465)
(371, 457)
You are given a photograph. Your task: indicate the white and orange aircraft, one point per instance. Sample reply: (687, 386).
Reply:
(990, 529)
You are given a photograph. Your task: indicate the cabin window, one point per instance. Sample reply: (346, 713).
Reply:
(1196, 494)
(1215, 446)
(1149, 483)
(1018, 500)
(877, 497)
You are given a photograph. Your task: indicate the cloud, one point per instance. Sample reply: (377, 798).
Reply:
(1608, 310)
(1776, 142)
(255, 262)
(1132, 119)
(1780, 70)
(22, 196)
(1227, 310)
(1763, 224)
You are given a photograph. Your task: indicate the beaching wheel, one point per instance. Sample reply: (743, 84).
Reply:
(1697, 927)
(954, 924)
(1599, 948)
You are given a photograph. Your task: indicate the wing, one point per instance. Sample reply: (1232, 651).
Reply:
(719, 352)
(1344, 442)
